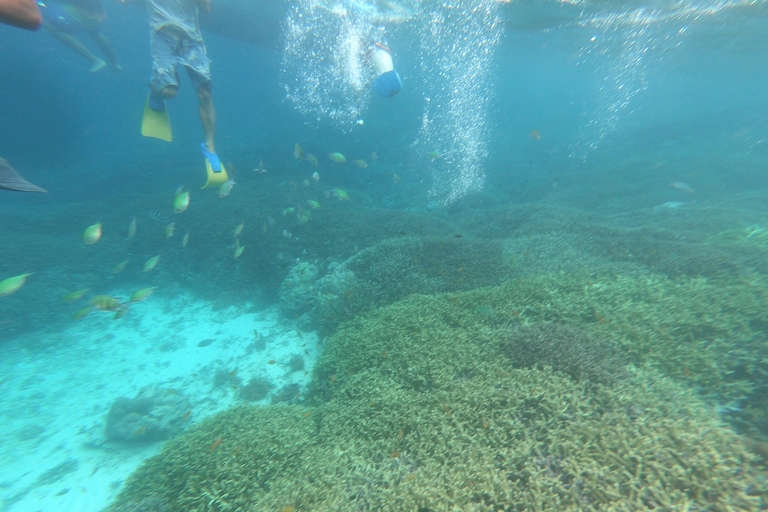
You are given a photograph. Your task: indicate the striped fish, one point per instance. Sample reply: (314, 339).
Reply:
(682, 186)
(159, 216)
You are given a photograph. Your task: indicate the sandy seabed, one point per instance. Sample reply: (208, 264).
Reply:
(56, 390)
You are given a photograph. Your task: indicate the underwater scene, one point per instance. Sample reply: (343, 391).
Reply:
(383, 255)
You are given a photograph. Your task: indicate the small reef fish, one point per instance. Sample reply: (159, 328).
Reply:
(142, 294)
(305, 183)
(298, 153)
(341, 194)
(535, 135)
(374, 155)
(72, 297)
(315, 176)
(159, 216)
(287, 211)
(186, 416)
(216, 443)
(82, 313)
(287, 234)
(239, 251)
(337, 157)
(260, 169)
(682, 186)
(312, 159)
(434, 155)
(238, 229)
(132, 228)
(92, 233)
(361, 164)
(185, 240)
(120, 313)
(151, 263)
(140, 431)
(119, 267)
(396, 179)
(13, 284)
(168, 233)
(312, 203)
(181, 202)
(226, 188)
(271, 361)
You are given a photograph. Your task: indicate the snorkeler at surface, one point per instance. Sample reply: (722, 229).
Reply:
(65, 18)
(387, 82)
(176, 40)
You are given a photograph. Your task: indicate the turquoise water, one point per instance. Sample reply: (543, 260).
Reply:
(595, 164)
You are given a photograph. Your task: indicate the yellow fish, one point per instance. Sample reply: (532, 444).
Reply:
(82, 313)
(238, 229)
(239, 251)
(151, 263)
(72, 297)
(226, 188)
(341, 194)
(168, 233)
(185, 240)
(313, 203)
(12, 284)
(132, 228)
(181, 202)
(315, 176)
(434, 155)
(92, 233)
(120, 313)
(119, 267)
(142, 294)
(396, 178)
(312, 159)
(337, 157)
(298, 153)
(362, 164)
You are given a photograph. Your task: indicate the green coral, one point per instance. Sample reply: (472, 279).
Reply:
(414, 407)
(395, 268)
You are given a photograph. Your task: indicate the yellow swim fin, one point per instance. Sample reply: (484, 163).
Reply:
(215, 179)
(156, 124)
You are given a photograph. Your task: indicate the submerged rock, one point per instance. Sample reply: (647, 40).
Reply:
(154, 414)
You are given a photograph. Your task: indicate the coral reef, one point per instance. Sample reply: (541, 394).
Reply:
(395, 268)
(415, 407)
(224, 377)
(296, 363)
(566, 349)
(288, 393)
(257, 389)
(297, 291)
(154, 414)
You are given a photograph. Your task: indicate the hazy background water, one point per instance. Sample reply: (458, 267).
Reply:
(599, 81)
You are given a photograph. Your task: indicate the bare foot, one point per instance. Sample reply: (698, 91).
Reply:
(97, 66)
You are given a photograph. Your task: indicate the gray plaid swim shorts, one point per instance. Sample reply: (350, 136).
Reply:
(168, 51)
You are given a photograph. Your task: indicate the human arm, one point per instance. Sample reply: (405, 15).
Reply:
(20, 13)
(205, 5)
